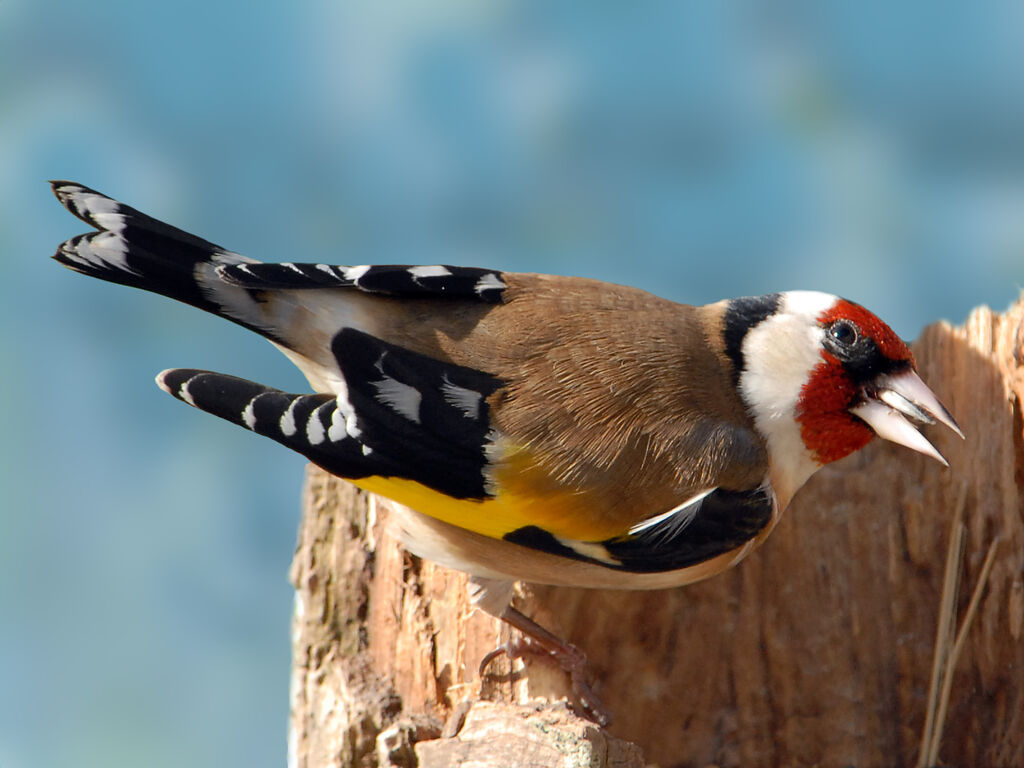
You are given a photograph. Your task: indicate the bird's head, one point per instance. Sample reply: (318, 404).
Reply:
(821, 377)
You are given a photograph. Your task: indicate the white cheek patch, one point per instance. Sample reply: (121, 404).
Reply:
(778, 361)
(779, 355)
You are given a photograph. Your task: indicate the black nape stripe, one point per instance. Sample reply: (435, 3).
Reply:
(741, 315)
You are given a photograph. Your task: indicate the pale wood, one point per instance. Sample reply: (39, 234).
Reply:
(500, 736)
(817, 650)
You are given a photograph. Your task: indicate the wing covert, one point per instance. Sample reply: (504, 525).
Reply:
(713, 524)
(397, 414)
(434, 281)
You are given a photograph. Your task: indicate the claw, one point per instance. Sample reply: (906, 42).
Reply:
(537, 641)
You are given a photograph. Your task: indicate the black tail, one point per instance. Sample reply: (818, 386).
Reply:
(134, 249)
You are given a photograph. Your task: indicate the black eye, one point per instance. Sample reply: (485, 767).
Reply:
(843, 332)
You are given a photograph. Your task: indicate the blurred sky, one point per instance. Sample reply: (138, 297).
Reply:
(699, 150)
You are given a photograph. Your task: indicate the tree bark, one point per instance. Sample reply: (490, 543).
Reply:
(816, 650)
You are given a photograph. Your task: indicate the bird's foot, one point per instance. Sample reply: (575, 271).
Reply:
(537, 641)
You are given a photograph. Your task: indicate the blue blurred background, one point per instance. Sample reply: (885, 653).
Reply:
(699, 150)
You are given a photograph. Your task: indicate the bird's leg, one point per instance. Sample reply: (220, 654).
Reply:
(538, 641)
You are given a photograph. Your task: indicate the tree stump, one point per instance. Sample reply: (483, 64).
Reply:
(816, 650)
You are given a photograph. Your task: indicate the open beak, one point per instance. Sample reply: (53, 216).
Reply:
(894, 406)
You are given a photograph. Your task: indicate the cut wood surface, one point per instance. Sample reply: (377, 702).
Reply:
(816, 650)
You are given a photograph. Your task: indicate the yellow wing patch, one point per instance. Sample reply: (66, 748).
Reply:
(525, 495)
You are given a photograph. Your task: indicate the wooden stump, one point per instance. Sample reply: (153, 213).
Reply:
(816, 650)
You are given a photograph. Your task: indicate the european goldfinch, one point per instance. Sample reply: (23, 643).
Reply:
(548, 429)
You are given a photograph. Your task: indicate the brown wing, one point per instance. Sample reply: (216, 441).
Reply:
(616, 402)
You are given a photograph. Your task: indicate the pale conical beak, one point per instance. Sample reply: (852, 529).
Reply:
(895, 405)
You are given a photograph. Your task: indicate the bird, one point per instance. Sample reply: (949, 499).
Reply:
(538, 428)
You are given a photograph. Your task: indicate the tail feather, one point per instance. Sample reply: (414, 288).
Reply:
(303, 308)
(137, 250)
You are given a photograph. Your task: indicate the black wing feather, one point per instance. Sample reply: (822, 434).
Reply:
(363, 433)
(722, 521)
(439, 281)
